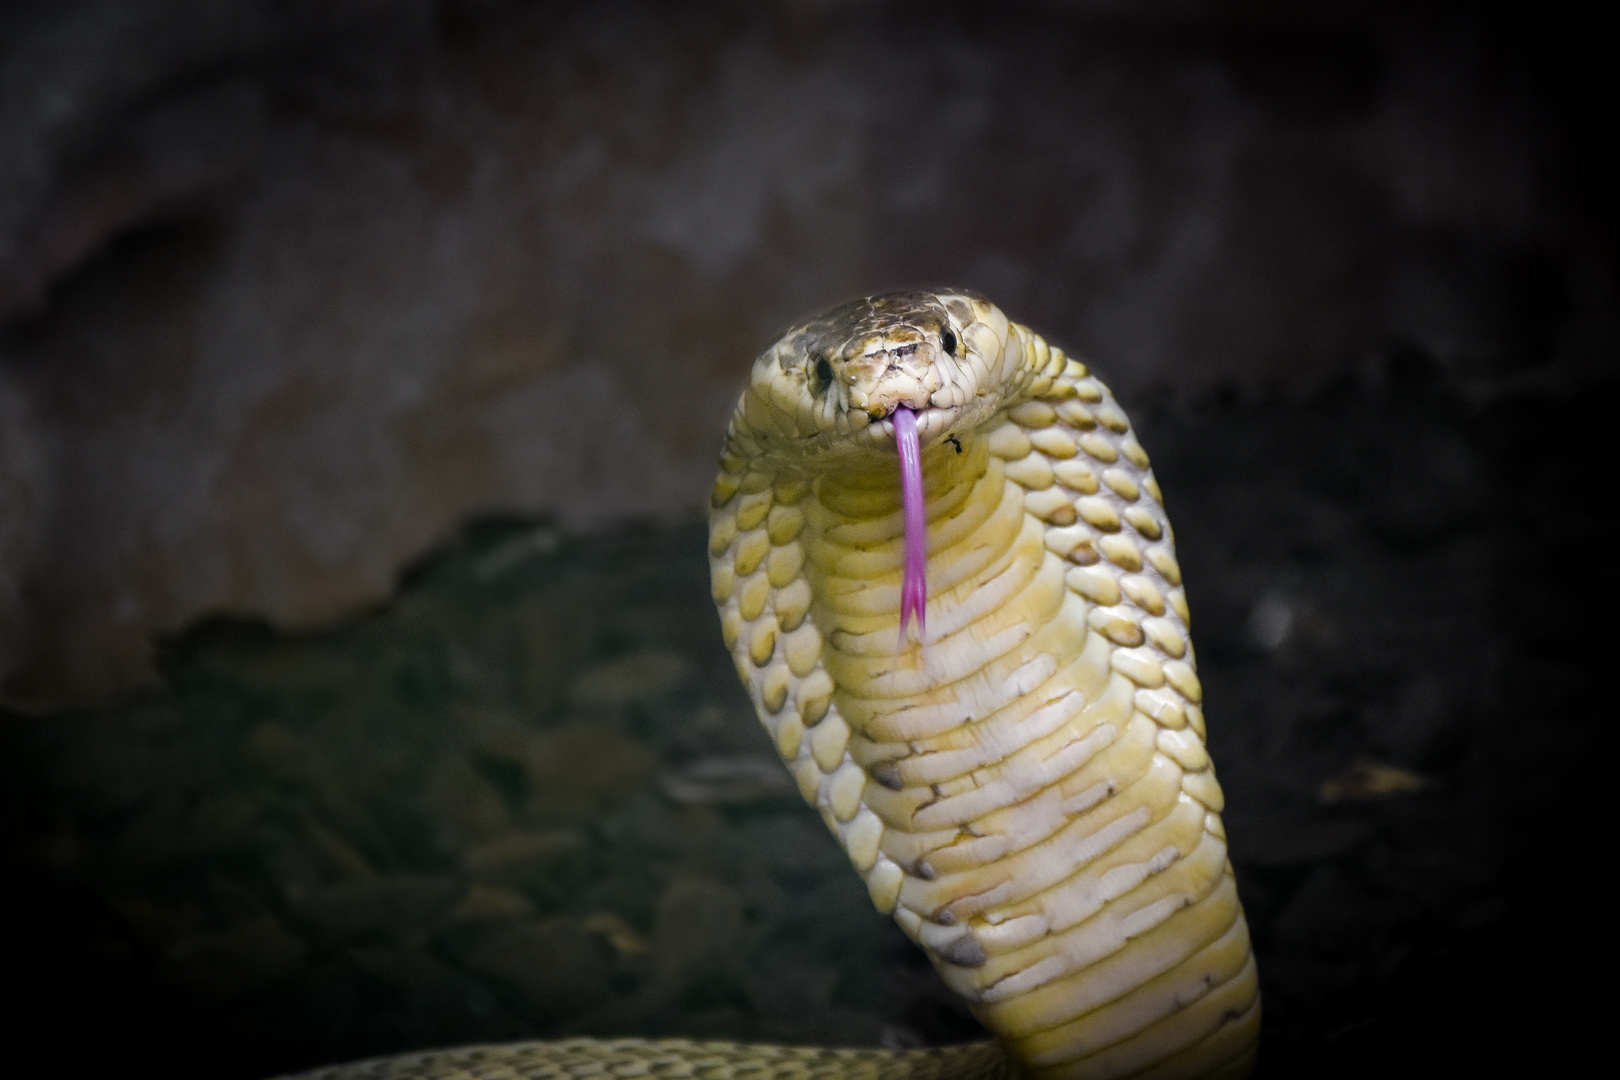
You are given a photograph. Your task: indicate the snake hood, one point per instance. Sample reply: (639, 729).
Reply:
(1024, 786)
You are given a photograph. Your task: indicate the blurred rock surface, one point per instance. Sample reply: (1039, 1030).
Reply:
(290, 289)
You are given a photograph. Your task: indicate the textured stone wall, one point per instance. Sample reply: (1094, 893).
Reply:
(290, 290)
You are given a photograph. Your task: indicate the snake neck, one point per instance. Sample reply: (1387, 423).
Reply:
(868, 486)
(854, 545)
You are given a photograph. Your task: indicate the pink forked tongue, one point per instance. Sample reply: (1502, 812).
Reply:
(914, 579)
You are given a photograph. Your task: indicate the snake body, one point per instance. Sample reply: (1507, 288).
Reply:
(1026, 790)
(1019, 773)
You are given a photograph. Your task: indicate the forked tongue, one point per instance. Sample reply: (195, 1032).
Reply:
(914, 578)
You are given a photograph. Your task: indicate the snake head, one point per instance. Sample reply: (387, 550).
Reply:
(837, 380)
(885, 371)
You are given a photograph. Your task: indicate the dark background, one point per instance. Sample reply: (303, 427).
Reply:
(361, 371)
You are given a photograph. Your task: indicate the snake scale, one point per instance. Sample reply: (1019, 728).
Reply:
(945, 575)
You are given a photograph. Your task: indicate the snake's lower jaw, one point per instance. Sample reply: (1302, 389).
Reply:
(1032, 802)
(935, 424)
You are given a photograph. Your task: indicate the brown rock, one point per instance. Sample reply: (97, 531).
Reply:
(278, 751)
(696, 932)
(580, 769)
(517, 857)
(386, 908)
(460, 795)
(490, 903)
(738, 780)
(550, 967)
(639, 677)
(232, 963)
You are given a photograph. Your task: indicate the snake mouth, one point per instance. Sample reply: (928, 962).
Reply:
(932, 421)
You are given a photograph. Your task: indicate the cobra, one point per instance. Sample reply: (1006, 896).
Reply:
(945, 575)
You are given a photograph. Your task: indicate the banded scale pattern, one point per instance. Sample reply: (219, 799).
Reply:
(1027, 791)
(675, 1059)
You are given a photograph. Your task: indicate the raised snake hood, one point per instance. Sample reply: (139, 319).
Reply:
(1029, 795)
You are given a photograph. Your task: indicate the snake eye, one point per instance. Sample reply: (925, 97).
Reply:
(947, 341)
(823, 372)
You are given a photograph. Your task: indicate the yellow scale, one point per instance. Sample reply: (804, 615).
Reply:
(1026, 790)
